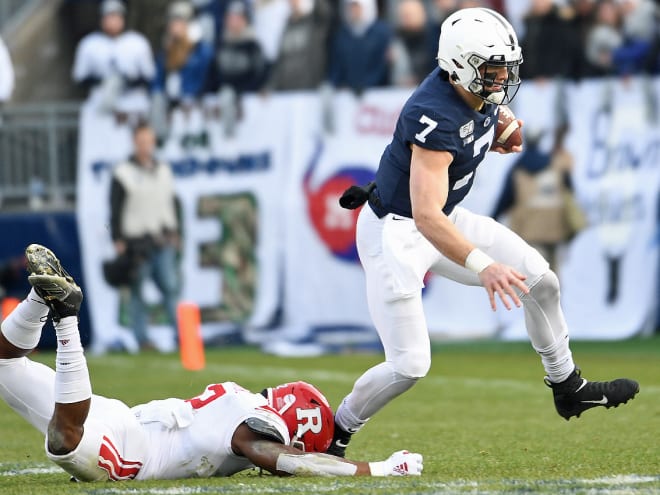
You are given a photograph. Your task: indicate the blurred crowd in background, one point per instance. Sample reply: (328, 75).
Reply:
(148, 57)
(183, 51)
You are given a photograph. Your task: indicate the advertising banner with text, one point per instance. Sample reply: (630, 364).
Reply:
(262, 229)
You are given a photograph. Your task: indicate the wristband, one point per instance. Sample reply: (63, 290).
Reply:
(377, 468)
(477, 260)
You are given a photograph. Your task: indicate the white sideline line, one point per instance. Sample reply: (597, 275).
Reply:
(615, 485)
(621, 479)
(605, 485)
(41, 469)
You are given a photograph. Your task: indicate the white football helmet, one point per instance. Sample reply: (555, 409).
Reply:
(470, 38)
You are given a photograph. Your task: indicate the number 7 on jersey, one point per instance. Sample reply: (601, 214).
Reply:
(430, 125)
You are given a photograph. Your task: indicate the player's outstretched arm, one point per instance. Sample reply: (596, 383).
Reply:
(284, 460)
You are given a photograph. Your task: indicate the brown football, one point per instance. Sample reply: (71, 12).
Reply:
(507, 133)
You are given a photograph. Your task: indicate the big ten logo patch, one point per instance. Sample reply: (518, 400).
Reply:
(334, 225)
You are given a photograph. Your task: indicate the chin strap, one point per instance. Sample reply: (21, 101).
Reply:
(496, 98)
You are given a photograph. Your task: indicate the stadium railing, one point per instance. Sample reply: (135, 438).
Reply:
(11, 10)
(38, 155)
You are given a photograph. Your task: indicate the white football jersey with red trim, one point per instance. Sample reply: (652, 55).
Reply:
(192, 438)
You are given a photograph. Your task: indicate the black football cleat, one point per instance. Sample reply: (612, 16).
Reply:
(339, 443)
(52, 283)
(575, 395)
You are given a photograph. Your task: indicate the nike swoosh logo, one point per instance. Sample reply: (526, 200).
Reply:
(602, 401)
(341, 444)
(584, 382)
(399, 218)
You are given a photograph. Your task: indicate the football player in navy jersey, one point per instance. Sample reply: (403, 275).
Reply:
(414, 223)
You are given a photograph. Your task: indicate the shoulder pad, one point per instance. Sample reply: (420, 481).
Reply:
(263, 427)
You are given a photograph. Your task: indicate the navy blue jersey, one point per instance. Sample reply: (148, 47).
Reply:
(435, 117)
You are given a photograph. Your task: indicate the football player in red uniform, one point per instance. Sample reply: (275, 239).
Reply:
(224, 430)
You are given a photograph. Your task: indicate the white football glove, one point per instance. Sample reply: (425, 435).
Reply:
(401, 463)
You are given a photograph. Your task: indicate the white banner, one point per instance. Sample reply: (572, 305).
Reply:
(605, 297)
(276, 183)
(610, 279)
(228, 188)
(324, 284)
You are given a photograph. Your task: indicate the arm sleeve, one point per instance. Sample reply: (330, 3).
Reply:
(314, 464)
(148, 68)
(144, 73)
(630, 56)
(260, 64)
(158, 83)
(176, 205)
(200, 70)
(334, 65)
(212, 79)
(6, 73)
(379, 76)
(117, 197)
(82, 69)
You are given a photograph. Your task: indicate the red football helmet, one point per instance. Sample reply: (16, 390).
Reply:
(306, 413)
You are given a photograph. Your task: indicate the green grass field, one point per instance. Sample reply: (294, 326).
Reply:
(483, 419)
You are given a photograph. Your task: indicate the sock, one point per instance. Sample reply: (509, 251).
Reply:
(72, 382)
(557, 360)
(371, 392)
(547, 328)
(346, 420)
(22, 328)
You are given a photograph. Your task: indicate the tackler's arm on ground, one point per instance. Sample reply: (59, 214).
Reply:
(284, 460)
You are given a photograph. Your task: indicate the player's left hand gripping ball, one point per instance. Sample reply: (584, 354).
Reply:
(508, 135)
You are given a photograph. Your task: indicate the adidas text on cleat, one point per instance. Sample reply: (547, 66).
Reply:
(52, 283)
(575, 395)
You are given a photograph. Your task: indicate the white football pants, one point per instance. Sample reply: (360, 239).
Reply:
(396, 257)
(29, 387)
